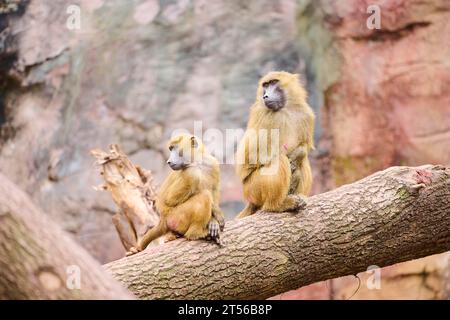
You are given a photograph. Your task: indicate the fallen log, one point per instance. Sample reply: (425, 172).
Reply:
(38, 260)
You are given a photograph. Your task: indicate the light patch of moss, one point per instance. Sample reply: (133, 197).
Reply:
(402, 193)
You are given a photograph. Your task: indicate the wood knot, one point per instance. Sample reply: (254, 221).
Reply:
(48, 278)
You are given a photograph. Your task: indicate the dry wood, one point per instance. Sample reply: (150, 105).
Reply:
(133, 192)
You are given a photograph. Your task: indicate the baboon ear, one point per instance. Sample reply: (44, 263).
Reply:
(194, 142)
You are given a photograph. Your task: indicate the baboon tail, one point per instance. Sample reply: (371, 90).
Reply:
(305, 184)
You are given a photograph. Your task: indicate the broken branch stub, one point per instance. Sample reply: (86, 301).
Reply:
(132, 190)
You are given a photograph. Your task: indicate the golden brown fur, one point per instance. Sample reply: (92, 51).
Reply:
(188, 199)
(295, 122)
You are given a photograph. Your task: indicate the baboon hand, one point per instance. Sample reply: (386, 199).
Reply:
(214, 228)
(300, 202)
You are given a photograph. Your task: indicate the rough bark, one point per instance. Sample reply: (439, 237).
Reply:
(40, 261)
(395, 215)
(133, 192)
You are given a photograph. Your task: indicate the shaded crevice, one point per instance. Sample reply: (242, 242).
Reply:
(7, 85)
(2, 109)
(392, 35)
(8, 56)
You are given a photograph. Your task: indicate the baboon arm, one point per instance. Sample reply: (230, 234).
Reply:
(174, 199)
(245, 171)
(298, 153)
(176, 196)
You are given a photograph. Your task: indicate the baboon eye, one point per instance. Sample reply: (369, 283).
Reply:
(270, 83)
(170, 148)
(194, 143)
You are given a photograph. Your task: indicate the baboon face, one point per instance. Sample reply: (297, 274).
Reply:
(183, 152)
(273, 95)
(176, 160)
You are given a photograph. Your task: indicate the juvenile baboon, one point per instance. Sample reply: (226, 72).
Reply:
(188, 200)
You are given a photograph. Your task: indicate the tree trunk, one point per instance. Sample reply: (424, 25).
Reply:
(40, 261)
(395, 215)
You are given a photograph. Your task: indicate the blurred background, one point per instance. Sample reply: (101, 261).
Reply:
(78, 75)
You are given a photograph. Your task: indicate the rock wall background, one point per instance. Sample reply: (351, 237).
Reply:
(137, 70)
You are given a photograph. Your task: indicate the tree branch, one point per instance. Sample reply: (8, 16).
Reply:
(40, 261)
(395, 215)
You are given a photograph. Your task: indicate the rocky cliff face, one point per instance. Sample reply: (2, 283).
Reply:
(137, 70)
